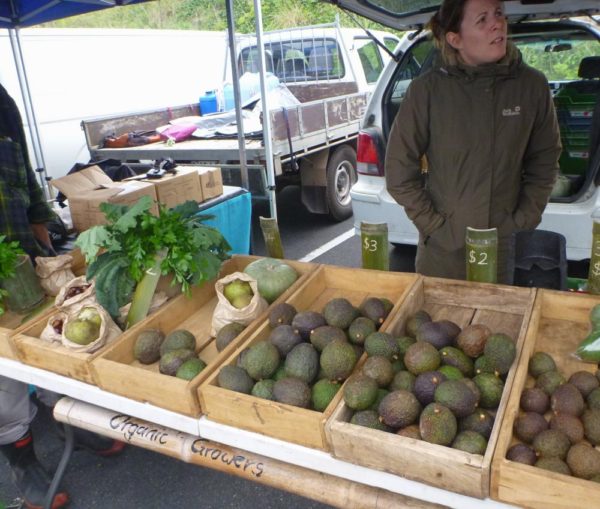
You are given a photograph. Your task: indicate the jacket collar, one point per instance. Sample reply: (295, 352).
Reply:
(451, 64)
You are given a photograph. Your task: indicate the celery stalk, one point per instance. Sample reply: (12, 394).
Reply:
(144, 291)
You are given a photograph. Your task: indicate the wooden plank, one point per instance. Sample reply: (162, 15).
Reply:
(560, 320)
(298, 425)
(463, 303)
(116, 369)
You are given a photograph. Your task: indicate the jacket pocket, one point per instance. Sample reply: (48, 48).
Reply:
(12, 164)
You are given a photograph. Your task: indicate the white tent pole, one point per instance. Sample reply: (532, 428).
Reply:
(235, 79)
(265, 109)
(15, 42)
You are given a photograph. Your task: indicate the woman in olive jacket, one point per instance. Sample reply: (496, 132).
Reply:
(486, 124)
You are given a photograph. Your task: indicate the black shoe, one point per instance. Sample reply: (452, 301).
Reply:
(29, 476)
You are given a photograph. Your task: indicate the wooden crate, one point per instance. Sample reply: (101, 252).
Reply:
(560, 320)
(286, 422)
(503, 309)
(116, 369)
(13, 323)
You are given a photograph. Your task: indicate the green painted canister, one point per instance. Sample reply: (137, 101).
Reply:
(482, 254)
(593, 284)
(375, 247)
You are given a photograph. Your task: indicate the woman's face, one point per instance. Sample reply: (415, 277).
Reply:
(482, 36)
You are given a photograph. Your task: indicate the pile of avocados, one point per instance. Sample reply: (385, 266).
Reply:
(558, 425)
(175, 352)
(436, 383)
(308, 354)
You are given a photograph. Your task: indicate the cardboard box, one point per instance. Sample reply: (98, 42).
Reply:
(88, 188)
(211, 181)
(173, 189)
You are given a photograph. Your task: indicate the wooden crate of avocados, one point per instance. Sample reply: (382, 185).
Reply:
(503, 309)
(116, 370)
(560, 320)
(13, 323)
(293, 424)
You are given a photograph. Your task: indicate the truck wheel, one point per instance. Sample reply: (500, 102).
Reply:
(341, 175)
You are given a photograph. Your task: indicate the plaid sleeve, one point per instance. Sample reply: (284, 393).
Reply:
(39, 211)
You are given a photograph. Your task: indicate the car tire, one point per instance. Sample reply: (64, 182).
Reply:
(341, 175)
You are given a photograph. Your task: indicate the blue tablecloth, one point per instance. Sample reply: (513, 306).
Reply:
(232, 213)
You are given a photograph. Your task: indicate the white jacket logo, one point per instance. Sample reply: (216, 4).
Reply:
(507, 112)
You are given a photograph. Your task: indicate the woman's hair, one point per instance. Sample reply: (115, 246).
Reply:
(447, 19)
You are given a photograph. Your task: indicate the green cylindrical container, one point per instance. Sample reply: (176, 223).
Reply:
(375, 247)
(593, 285)
(24, 289)
(482, 255)
(270, 231)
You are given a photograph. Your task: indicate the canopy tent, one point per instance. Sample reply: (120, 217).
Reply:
(16, 14)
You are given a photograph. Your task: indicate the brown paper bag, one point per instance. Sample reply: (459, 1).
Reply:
(54, 272)
(65, 300)
(108, 330)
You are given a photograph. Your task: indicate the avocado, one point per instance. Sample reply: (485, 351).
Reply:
(591, 425)
(567, 399)
(339, 312)
(584, 381)
(264, 389)
(593, 399)
(379, 369)
(324, 335)
(147, 346)
(569, 425)
(306, 321)
(452, 356)
(551, 442)
(553, 464)
(414, 321)
(262, 360)
(539, 363)
(528, 425)
(399, 409)
(360, 391)
(172, 360)
(374, 309)
(480, 421)
(279, 373)
(190, 368)
(437, 424)
(452, 329)
(404, 342)
(281, 314)
(584, 461)
(411, 431)
(484, 364)
(382, 343)
(235, 378)
(292, 391)
(403, 380)
(522, 453)
(381, 393)
(303, 362)
(421, 357)
(227, 334)
(501, 351)
(359, 329)
(450, 372)
(177, 340)
(534, 399)
(284, 337)
(490, 388)
(338, 359)
(241, 356)
(471, 442)
(435, 333)
(457, 396)
(472, 339)
(322, 393)
(398, 365)
(549, 381)
(369, 419)
(425, 385)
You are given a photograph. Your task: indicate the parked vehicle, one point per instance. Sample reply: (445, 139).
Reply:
(329, 70)
(567, 50)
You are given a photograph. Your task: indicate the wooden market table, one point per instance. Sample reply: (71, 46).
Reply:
(319, 467)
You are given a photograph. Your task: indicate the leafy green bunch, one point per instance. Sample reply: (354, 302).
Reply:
(135, 241)
(10, 252)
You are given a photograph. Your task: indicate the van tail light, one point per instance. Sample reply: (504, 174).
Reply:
(369, 158)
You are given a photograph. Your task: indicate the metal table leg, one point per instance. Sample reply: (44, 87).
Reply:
(62, 466)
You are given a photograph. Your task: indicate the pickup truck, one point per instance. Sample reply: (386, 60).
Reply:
(329, 70)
